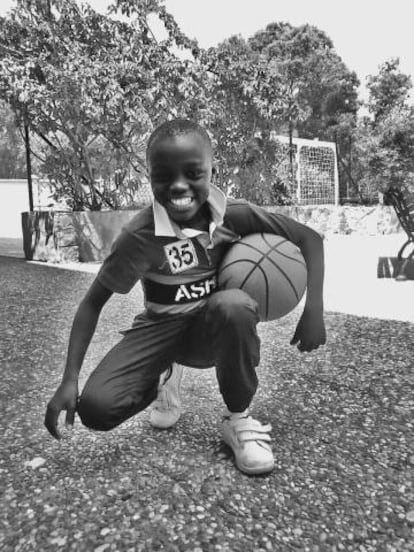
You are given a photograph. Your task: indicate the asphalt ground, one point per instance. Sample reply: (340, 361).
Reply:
(342, 434)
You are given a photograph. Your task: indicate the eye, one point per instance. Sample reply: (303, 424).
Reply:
(194, 174)
(160, 177)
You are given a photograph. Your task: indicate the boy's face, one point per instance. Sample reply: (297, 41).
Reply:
(180, 171)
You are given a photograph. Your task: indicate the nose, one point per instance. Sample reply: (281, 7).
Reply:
(179, 184)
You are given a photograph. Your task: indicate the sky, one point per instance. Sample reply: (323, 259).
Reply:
(365, 33)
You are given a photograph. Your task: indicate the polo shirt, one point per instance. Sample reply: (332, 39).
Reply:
(178, 266)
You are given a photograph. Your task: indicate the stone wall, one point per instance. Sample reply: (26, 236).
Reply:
(329, 219)
(87, 236)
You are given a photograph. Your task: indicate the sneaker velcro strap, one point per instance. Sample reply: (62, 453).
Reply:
(249, 424)
(248, 429)
(253, 436)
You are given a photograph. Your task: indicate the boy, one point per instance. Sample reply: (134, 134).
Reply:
(178, 241)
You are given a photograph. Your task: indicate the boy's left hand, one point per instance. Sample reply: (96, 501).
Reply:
(310, 331)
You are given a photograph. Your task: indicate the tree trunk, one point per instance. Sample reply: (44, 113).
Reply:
(291, 147)
(29, 166)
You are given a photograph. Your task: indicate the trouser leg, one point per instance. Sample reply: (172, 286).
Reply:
(230, 321)
(126, 380)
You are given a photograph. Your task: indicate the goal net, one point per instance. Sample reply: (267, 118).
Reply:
(315, 170)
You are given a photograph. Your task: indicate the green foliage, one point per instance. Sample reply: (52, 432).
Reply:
(318, 94)
(237, 96)
(388, 90)
(90, 87)
(315, 87)
(384, 154)
(384, 144)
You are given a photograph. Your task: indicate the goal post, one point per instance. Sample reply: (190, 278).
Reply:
(315, 170)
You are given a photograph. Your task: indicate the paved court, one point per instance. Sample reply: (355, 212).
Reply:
(342, 421)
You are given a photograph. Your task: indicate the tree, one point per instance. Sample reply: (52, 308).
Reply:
(388, 90)
(384, 144)
(282, 79)
(319, 93)
(315, 83)
(91, 88)
(240, 102)
(384, 153)
(285, 59)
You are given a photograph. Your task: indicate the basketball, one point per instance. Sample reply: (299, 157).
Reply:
(270, 268)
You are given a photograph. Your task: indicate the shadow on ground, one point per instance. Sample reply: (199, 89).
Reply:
(342, 422)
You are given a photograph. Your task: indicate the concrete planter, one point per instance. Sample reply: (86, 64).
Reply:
(87, 236)
(84, 236)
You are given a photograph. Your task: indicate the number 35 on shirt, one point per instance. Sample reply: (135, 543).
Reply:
(181, 256)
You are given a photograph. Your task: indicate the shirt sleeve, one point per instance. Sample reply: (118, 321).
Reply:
(246, 218)
(125, 265)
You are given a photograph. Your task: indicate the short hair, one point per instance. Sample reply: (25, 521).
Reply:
(177, 127)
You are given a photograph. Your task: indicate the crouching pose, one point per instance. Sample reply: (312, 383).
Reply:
(174, 247)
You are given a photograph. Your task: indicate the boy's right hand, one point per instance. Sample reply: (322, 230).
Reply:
(65, 398)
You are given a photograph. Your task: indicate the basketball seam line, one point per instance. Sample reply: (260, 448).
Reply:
(273, 248)
(266, 256)
(266, 285)
(255, 265)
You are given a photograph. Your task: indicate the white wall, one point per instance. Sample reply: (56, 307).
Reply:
(14, 199)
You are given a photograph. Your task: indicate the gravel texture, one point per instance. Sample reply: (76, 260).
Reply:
(343, 439)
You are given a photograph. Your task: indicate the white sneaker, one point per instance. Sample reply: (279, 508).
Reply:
(249, 440)
(166, 409)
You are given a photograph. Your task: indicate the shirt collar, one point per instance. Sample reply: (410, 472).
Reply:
(164, 226)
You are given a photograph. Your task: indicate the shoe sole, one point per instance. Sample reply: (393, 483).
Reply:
(266, 468)
(164, 426)
(158, 426)
(255, 471)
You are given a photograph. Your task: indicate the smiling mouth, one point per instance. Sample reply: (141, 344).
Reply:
(181, 202)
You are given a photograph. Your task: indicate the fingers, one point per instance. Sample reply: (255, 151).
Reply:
(294, 339)
(306, 342)
(305, 346)
(51, 421)
(70, 417)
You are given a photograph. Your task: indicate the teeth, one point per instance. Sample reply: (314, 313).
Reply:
(181, 201)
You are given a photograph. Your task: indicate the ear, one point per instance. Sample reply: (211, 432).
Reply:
(213, 174)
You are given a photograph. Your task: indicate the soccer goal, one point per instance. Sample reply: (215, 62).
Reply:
(315, 170)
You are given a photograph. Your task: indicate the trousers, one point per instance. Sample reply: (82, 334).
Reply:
(222, 334)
